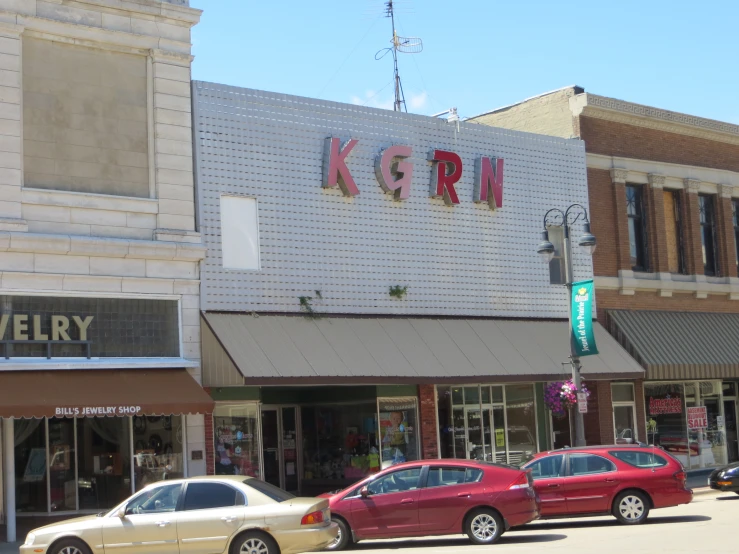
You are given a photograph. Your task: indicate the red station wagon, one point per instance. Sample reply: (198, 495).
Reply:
(624, 481)
(435, 497)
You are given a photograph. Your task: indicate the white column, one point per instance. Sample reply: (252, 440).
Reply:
(9, 477)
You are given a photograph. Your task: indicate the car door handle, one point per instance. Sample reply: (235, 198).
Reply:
(407, 501)
(464, 495)
(610, 479)
(162, 523)
(553, 485)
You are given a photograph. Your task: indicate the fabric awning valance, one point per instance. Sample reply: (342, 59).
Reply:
(679, 345)
(96, 393)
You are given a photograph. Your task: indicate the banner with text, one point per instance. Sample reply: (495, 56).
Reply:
(582, 318)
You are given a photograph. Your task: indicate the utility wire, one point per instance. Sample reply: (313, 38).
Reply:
(349, 55)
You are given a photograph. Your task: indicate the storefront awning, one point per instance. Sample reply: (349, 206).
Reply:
(87, 393)
(679, 345)
(263, 350)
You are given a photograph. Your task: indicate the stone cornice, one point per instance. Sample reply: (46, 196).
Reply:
(628, 283)
(619, 175)
(100, 246)
(618, 111)
(157, 8)
(693, 185)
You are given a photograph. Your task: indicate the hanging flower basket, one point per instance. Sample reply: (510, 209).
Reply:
(561, 396)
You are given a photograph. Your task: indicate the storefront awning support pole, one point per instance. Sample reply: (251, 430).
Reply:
(9, 477)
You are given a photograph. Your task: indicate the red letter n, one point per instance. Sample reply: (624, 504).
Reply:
(335, 171)
(489, 182)
(447, 170)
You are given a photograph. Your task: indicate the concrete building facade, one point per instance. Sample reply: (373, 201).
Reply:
(99, 253)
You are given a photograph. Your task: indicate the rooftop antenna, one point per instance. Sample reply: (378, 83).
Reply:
(406, 45)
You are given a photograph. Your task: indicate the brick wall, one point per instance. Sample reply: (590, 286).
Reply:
(605, 413)
(629, 141)
(210, 445)
(592, 418)
(427, 409)
(603, 221)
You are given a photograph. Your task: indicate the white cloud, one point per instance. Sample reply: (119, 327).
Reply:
(418, 101)
(385, 101)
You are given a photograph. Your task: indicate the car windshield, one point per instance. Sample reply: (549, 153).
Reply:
(275, 493)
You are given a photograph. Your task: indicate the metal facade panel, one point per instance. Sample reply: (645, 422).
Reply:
(475, 349)
(414, 349)
(309, 340)
(461, 260)
(385, 352)
(218, 369)
(443, 347)
(241, 346)
(680, 345)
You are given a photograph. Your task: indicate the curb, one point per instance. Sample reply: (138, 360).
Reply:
(703, 490)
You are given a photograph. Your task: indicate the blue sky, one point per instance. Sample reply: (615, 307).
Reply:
(478, 54)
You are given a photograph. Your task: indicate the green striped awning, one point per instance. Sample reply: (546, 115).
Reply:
(679, 345)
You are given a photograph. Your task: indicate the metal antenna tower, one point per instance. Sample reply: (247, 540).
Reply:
(407, 45)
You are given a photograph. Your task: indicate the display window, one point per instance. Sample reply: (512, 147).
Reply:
(92, 464)
(398, 430)
(687, 420)
(494, 423)
(236, 435)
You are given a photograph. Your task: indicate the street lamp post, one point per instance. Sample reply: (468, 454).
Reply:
(557, 218)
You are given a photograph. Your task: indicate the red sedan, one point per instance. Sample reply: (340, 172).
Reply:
(621, 480)
(435, 497)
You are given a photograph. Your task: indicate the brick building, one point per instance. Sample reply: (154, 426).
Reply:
(664, 201)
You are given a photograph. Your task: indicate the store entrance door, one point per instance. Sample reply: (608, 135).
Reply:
(280, 440)
(732, 440)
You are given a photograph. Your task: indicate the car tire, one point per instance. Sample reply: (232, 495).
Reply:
(70, 546)
(631, 507)
(254, 541)
(483, 526)
(344, 540)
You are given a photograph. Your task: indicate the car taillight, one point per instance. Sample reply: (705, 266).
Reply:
(312, 518)
(521, 482)
(680, 476)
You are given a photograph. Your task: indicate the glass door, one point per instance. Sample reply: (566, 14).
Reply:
(290, 449)
(271, 446)
(732, 441)
(280, 440)
(475, 447)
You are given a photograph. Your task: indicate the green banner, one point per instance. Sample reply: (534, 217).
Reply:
(582, 318)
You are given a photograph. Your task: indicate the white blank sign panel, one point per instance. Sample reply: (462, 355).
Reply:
(239, 232)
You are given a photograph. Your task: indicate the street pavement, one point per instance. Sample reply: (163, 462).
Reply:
(707, 525)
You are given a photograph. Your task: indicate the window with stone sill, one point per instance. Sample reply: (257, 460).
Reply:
(637, 228)
(709, 244)
(735, 208)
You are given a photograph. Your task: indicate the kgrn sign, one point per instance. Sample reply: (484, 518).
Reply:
(582, 318)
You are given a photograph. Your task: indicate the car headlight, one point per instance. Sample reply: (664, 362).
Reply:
(30, 538)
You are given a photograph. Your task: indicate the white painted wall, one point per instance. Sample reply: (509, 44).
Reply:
(461, 260)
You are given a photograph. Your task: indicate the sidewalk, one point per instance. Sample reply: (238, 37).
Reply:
(6, 548)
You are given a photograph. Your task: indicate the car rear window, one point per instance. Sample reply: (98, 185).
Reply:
(275, 493)
(636, 458)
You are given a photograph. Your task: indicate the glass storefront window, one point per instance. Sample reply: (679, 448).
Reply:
(521, 420)
(236, 434)
(399, 429)
(62, 465)
(502, 431)
(157, 449)
(104, 461)
(340, 444)
(625, 427)
(675, 421)
(30, 465)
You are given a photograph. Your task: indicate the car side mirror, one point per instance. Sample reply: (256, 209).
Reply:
(364, 492)
(122, 512)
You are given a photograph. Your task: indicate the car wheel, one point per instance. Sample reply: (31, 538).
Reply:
(344, 539)
(254, 543)
(70, 546)
(483, 526)
(631, 507)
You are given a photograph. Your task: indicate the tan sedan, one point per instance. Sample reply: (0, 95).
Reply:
(200, 515)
